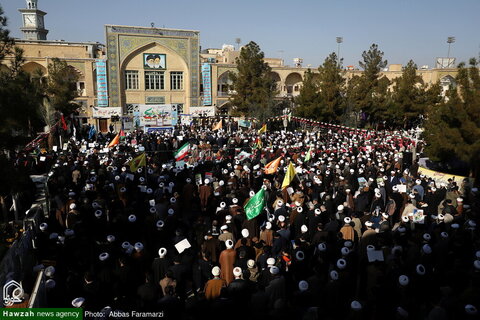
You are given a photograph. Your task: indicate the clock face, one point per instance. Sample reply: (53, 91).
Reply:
(30, 20)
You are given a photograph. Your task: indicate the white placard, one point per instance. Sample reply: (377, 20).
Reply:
(55, 148)
(402, 188)
(42, 158)
(375, 255)
(91, 145)
(65, 146)
(182, 245)
(290, 190)
(151, 202)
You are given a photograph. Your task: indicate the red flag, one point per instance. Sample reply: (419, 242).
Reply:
(64, 124)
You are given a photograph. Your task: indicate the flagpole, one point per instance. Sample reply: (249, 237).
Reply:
(146, 168)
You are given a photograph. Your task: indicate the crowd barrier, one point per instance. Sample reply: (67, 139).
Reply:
(19, 261)
(38, 298)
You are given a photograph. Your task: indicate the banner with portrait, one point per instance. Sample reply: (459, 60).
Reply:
(155, 61)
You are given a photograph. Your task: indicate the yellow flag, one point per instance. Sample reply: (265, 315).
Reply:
(271, 167)
(263, 129)
(218, 125)
(138, 162)
(288, 176)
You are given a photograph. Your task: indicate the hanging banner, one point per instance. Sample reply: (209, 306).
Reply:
(244, 123)
(440, 177)
(106, 112)
(202, 111)
(207, 84)
(164, 115)
(102, 87)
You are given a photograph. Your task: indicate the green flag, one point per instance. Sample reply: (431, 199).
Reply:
(255, 205)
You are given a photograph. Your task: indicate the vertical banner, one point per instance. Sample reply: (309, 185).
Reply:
(102, 88)
(207, 84)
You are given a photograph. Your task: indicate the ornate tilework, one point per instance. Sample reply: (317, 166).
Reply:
(121, 41)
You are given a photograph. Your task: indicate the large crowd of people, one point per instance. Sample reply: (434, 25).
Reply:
(359, 233)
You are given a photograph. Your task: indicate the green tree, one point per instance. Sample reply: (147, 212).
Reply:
(308, 99)
(6, 42)
(453, 126)
(254, 87)
(407, 95)
(19, 117)
(20, 99)
(332, 89)
(368, 93)
(61, 88)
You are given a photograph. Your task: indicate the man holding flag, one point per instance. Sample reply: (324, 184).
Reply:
(263, 129)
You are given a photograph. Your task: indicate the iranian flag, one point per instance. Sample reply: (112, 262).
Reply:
(182, 152)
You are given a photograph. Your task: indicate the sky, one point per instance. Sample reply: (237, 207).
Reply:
(307, 29)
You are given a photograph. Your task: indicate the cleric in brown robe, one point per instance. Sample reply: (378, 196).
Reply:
(227, 260)
(213, 287)
(205, 192)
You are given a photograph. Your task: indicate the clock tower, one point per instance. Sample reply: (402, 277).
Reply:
(33, 23)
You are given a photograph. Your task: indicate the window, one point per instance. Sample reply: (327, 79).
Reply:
(81, 89)
(154, 80)
(176, 80)
(131, 80)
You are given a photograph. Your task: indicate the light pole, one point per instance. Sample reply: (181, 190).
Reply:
(450, 40)
(339, 40)
(238, 41)
(286, 111)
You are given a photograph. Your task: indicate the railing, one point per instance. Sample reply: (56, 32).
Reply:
(38, 298)
(19, 260)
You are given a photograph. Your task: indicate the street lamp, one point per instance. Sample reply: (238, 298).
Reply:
(450, 40)
(339, 40)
